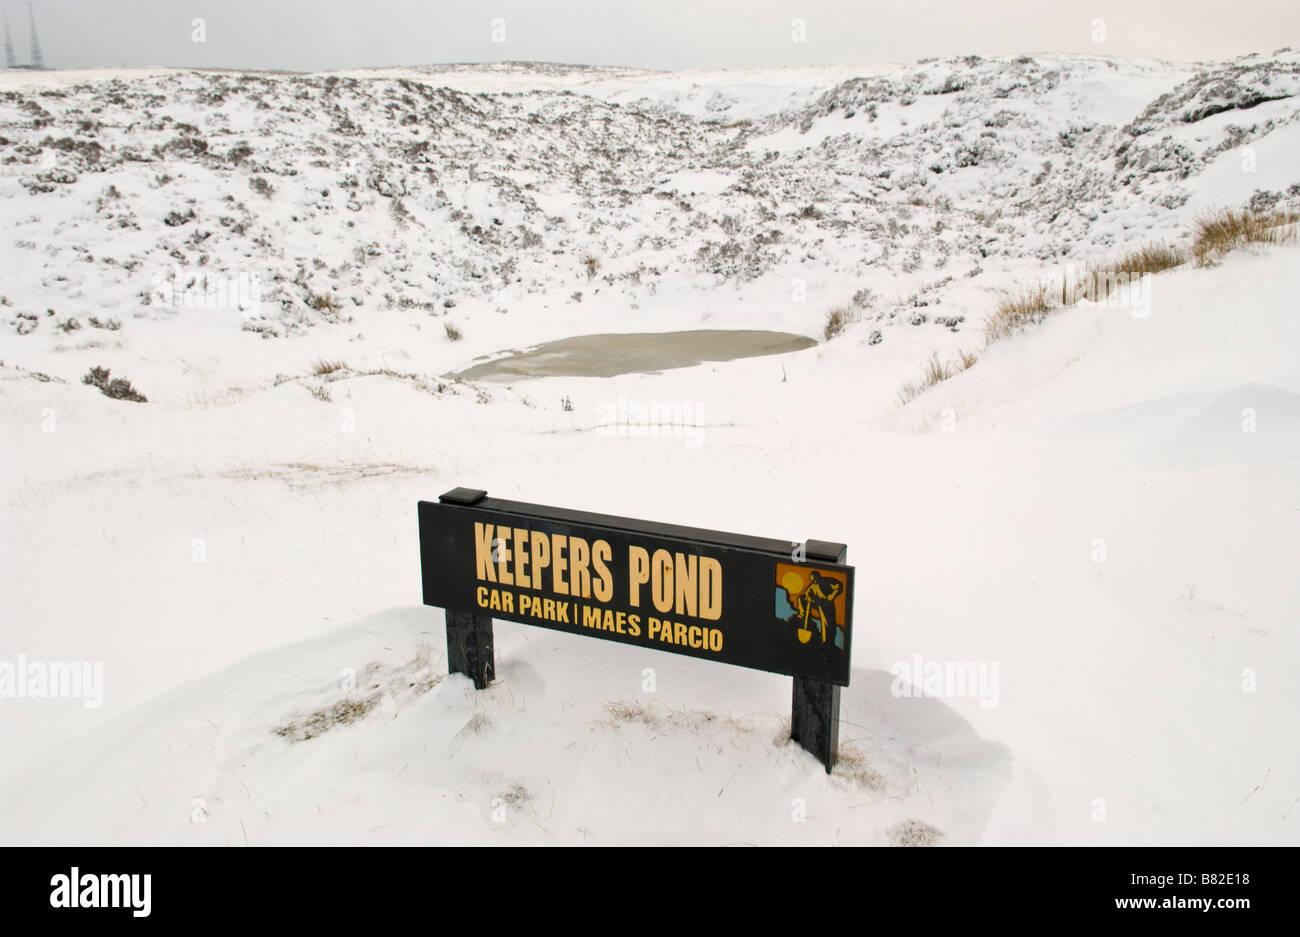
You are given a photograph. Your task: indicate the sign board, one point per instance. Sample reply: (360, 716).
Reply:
(764, 604)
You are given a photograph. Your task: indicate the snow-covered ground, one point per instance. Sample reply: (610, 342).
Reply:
(1099, 516)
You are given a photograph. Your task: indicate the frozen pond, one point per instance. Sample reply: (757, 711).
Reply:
(633, 353)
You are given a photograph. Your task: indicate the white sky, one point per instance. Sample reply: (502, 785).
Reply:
(326, 34)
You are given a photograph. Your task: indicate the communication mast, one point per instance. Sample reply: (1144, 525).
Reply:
(10, 60)
(38, 60)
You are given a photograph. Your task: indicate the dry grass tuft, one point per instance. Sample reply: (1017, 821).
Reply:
(909, 392)
(1104, 278)
(624, 711)
(477, 725)
(659, 716)
(1030, 305)
(1225, 229)
(935, 372)
(914, 833)
(838, 319)
(323, 302)
(377, 687)
(1149, 258)
(344, 712)
(851, 764)
(1215, 233)
(515, 795)
(325, 366)
(1018, 309)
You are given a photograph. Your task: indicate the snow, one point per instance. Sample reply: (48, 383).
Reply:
(1271, 163)
(1101, 507)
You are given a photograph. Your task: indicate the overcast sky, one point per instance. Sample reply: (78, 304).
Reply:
(666, 34)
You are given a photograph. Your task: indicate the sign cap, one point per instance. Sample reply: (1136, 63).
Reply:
(826, 551)
(463, 496)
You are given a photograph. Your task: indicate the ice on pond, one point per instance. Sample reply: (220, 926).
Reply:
(609, 355)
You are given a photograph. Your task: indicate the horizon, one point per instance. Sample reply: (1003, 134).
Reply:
(294, 36)
(525, 64)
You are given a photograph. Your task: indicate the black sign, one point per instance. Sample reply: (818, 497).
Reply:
(765, 604)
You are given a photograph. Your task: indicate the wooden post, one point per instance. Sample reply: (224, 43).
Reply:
(815, 705)
(469, 634)
(469, 647)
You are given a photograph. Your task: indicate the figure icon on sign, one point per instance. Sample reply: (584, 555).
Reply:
(810, 599)
(818, 601)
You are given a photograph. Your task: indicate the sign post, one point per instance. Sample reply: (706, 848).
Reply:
(749, 601)
(815, 708)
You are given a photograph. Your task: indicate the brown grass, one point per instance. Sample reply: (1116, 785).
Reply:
(935, 372)
(1214, 234)
(1028, 306)
(1220, 231)
(323, 302)
(852, 764)
(914, 833)
(1150, 258)
(325, 366)
(657, 715)
(1129, 268)
(344, 712)
(1020, 308)
(837, 320)
(909, 392)
(623, 711)
(1103, 278)
(412, 679)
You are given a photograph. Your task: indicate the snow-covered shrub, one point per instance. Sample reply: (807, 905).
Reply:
(117, 388)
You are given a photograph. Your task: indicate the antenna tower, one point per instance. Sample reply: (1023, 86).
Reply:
(38, 60)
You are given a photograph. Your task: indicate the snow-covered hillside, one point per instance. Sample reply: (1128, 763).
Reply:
(1100, 513)
(347, 194)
